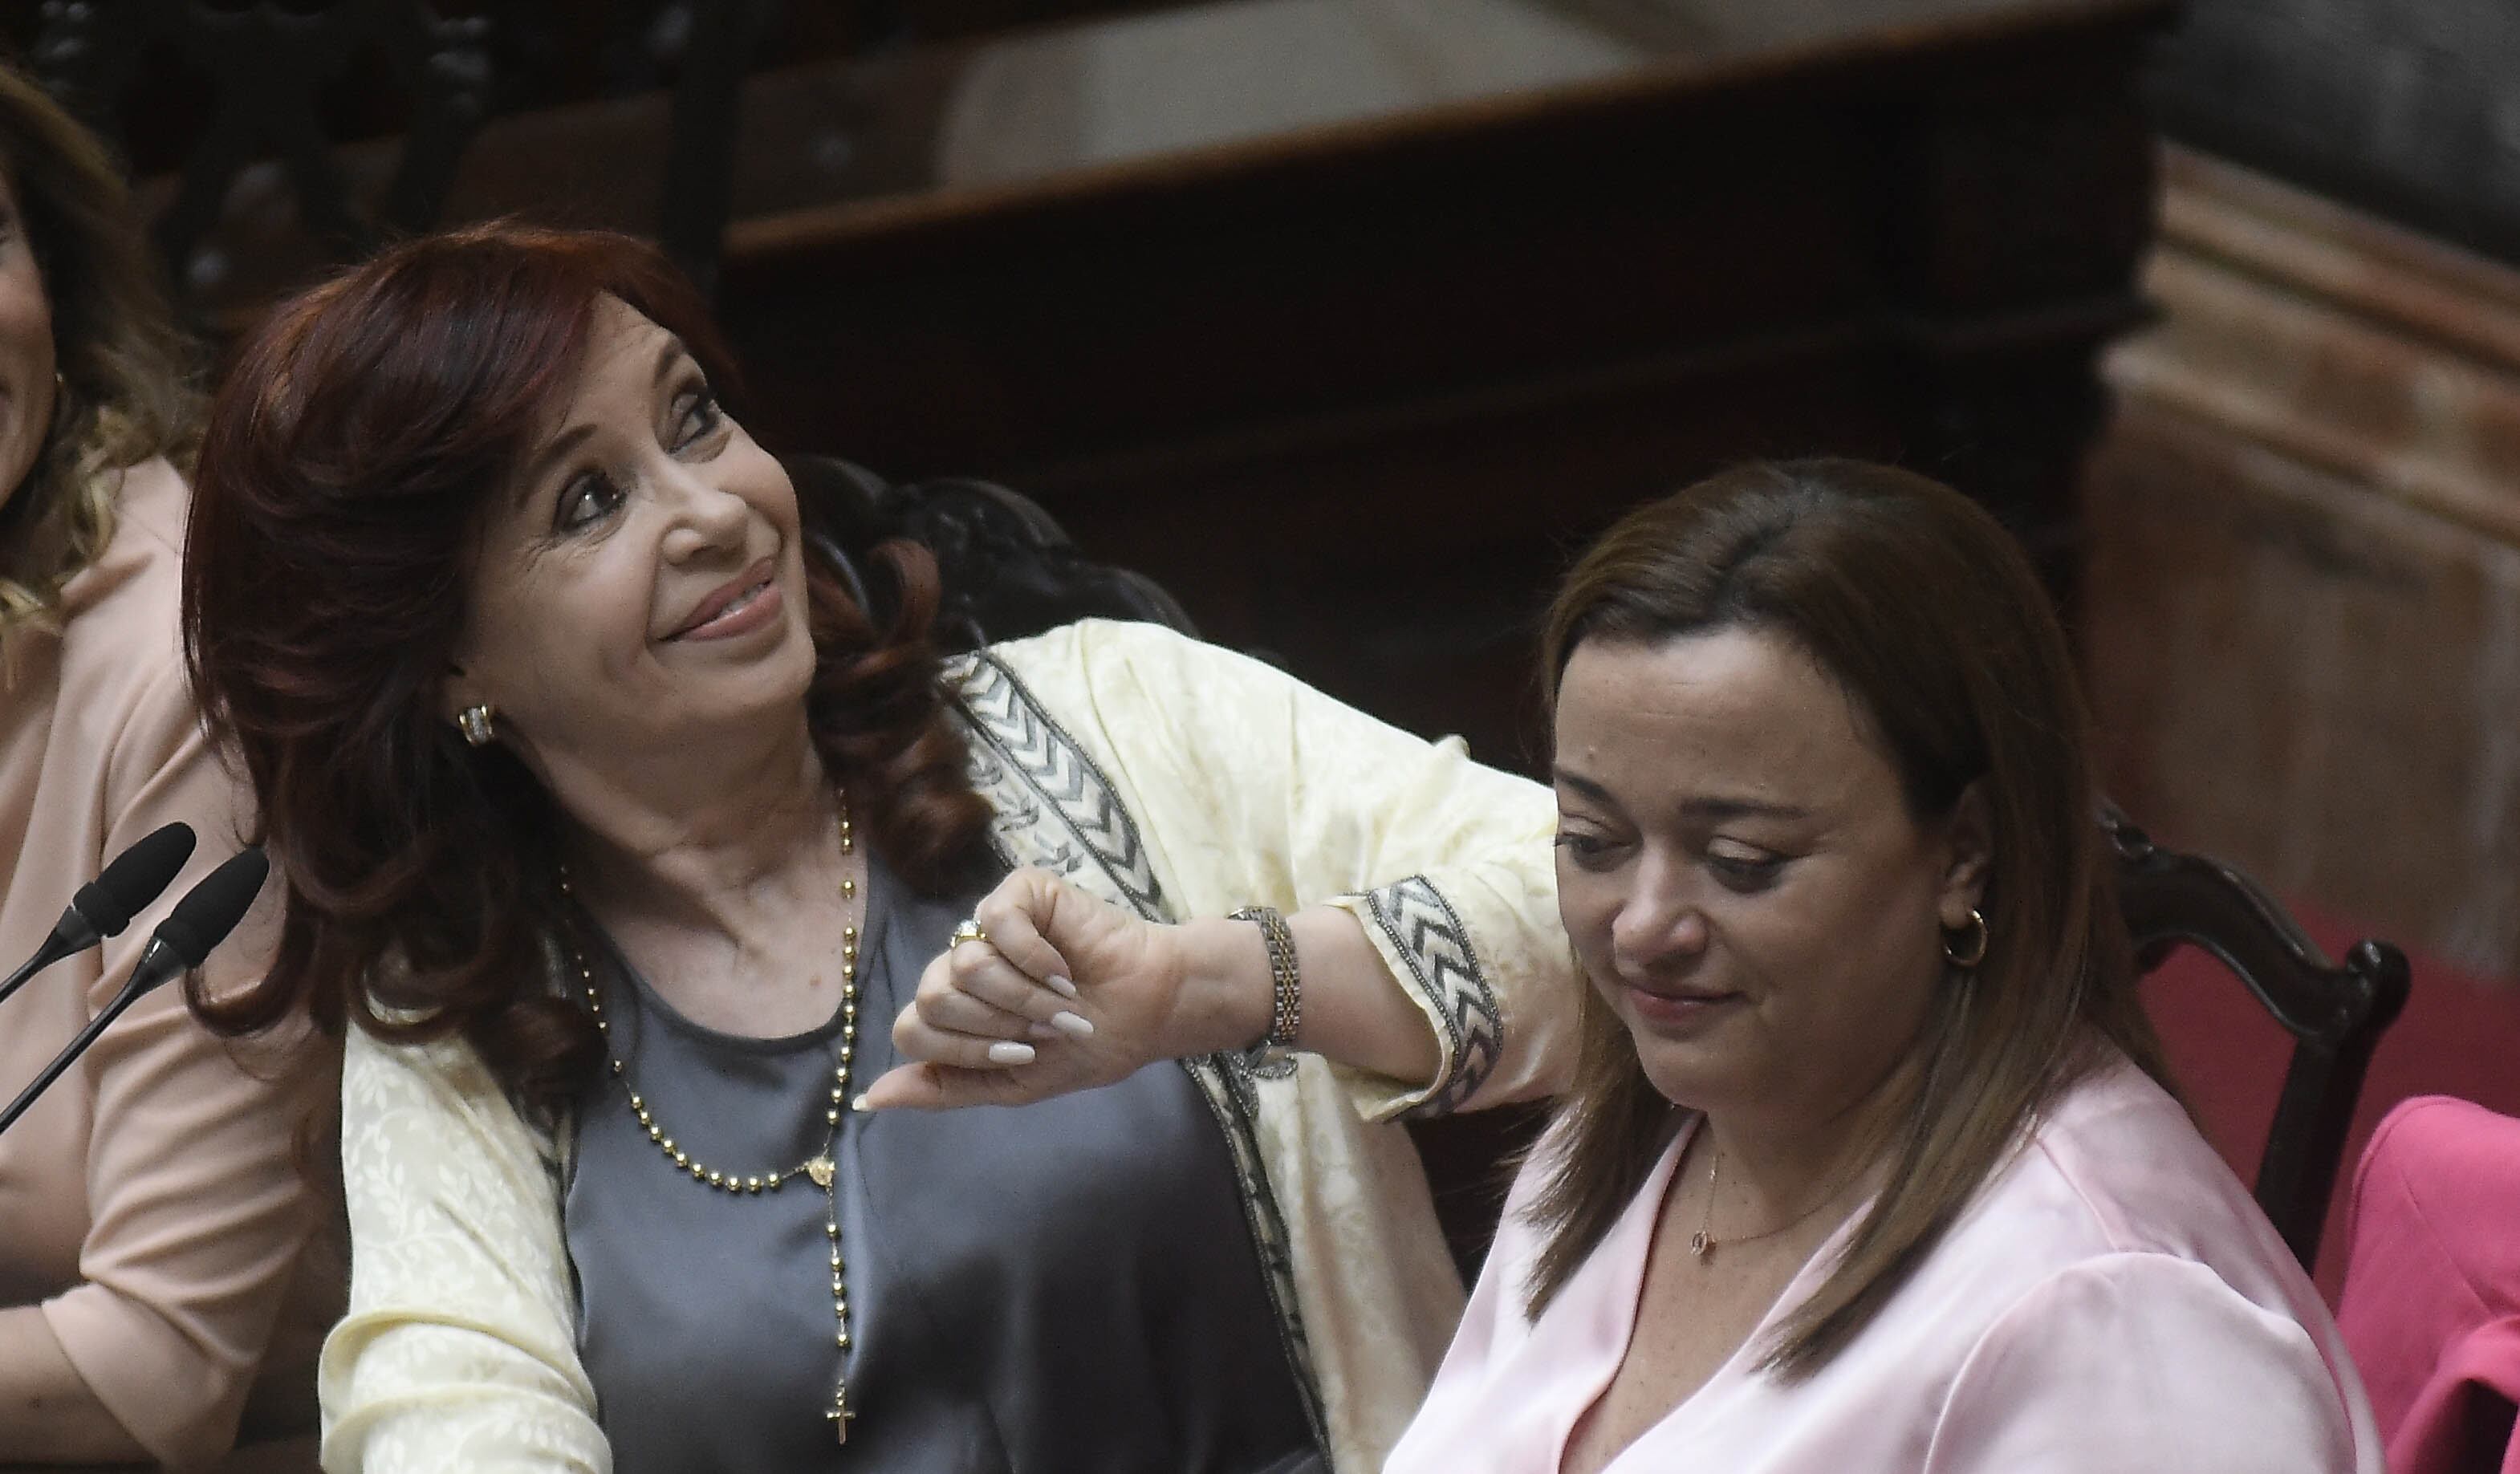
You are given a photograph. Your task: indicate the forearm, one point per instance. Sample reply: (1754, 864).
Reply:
(1353, 1011)
(48, 1413)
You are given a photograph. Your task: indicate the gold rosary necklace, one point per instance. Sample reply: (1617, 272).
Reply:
(820, 1168)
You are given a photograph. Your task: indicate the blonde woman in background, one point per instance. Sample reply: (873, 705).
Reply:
(151, 1214)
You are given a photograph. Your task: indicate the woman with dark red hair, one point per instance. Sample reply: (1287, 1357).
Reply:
(609, 821)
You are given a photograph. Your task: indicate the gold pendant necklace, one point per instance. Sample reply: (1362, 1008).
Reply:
(820, 1169)
(1703, 1244)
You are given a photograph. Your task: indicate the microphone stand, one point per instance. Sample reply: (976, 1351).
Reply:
(73, 1049)
(56, 946)
(199, 921)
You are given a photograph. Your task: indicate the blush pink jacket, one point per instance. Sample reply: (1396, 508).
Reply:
(2431, 1303)
(2111, 1303)
(149, 1202)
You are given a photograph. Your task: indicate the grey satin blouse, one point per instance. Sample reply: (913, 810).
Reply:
(1064, 1286)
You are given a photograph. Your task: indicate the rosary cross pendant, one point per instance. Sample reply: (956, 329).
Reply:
(839, 1414)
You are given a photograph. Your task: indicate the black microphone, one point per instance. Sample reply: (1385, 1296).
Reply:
(107, 903)
(202, 919)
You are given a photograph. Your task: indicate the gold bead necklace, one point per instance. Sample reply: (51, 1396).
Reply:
(821, 1169)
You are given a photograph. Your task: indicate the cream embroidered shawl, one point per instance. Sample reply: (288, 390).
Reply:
(1168, 775)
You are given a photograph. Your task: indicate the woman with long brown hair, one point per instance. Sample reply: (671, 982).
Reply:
(150, 1213)
(613, 829)
(1870, 1162)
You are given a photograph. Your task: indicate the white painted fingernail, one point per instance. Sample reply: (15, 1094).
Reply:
(1076, 1024)
(860, 1102)
(1061, 986)
(1008, 1051)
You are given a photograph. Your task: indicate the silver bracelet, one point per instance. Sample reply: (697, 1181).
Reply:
(1285, 981)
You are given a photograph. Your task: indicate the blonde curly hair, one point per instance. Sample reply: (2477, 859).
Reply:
(128, 392)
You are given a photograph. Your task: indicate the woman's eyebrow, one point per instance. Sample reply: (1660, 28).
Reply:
(1720, 808)
(1703, 808)
(670, 354)
(549, 456)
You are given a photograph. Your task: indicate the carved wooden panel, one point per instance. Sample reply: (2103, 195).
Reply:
(2303, 607)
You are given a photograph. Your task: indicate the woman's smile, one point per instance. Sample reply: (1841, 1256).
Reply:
(745, 603)
(1674, 1013)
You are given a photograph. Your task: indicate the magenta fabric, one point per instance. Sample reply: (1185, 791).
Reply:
(2111, 1303)
(2431, 1307)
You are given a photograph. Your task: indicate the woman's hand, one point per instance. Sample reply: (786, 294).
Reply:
(1068, 993)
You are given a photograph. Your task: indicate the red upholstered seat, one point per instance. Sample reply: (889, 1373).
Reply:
(2459, 1036)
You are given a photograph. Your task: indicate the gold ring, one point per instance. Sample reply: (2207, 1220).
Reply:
(969, 929)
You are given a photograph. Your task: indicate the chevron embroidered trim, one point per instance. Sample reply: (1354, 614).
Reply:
(1235, 1104)
(1056, 809)
(1038, 751)
(1444, 970)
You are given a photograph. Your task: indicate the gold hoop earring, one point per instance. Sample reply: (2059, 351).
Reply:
(476, 723)
(1974, 937)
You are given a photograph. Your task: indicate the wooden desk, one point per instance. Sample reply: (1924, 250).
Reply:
(1352, 354)
(1350, 319)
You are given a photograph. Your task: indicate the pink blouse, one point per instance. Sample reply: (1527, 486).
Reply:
(149, 1202)
(2112, 1301)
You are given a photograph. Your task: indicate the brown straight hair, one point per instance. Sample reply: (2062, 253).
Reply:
(1926, 611)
